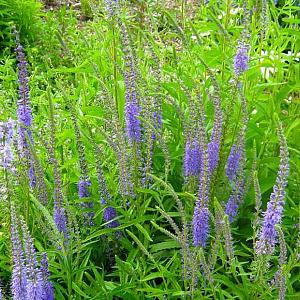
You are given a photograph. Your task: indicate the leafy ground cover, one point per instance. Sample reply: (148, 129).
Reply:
(149, 149)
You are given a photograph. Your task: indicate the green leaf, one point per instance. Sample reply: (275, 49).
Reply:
(144, 232)
(171, 244)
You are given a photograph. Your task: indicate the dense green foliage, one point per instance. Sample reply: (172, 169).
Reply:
(75, 64)
(23, 13)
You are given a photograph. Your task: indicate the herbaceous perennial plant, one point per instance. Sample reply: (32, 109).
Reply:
(138, 153)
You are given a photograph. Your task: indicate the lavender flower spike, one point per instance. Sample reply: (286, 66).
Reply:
(84, 182)
(273, 215)
(133, 124)
(234, 200)
(200, 221)
(112, 7)
(6, 139)
(200, 224)
(60, 219)
(192, 158)
(83, 187)
(48, 293)
(83, 192)
(34, 277)
(24, 114)
(109, 215)
(19, 276)
(213, 154)
(132, 108)
(214, 144)
(241, 58)
(233, 163)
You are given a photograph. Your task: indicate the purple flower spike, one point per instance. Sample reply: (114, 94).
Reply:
(60, 219)
(200, 225)
(233, 163)
(192, 159)
(24, 114)
(83, 188)
(34, 290)
(112, 7)
(19, 278)
(133, 124)
(48, 293)
(213, 155)
(83, 192)
(273, 215)
(235, 199)
(214, 144)
(200, 221)
(132, 108)
(6, 139)
(32, 177)
(241, 58)
(34, 277)
(109, 214)
(232, 207)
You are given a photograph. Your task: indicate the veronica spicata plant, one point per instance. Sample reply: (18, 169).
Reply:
(273, 214)
(24, 114)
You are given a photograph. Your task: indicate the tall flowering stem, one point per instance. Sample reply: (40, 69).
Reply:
(132, 106)
(241, 59)
(117, 141)
(126, 184)
(214, 144)
(83, 192)
(24, 114)
(48, 293)
(151, 110)
(282, 264)
(34, 277)
(60, 218)
(257, 193)
(273, 215)
(59, 213)
(264, 19)
(239, 189)
(27, 279)
(19, 271)
(222, 229)
(84, 182)
(200, 221)
(237, 175)
(6, 143)
(194, 144)
(216, 135)
(110, 212)
(131, 160)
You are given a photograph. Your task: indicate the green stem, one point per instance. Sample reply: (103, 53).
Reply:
(115, 67)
